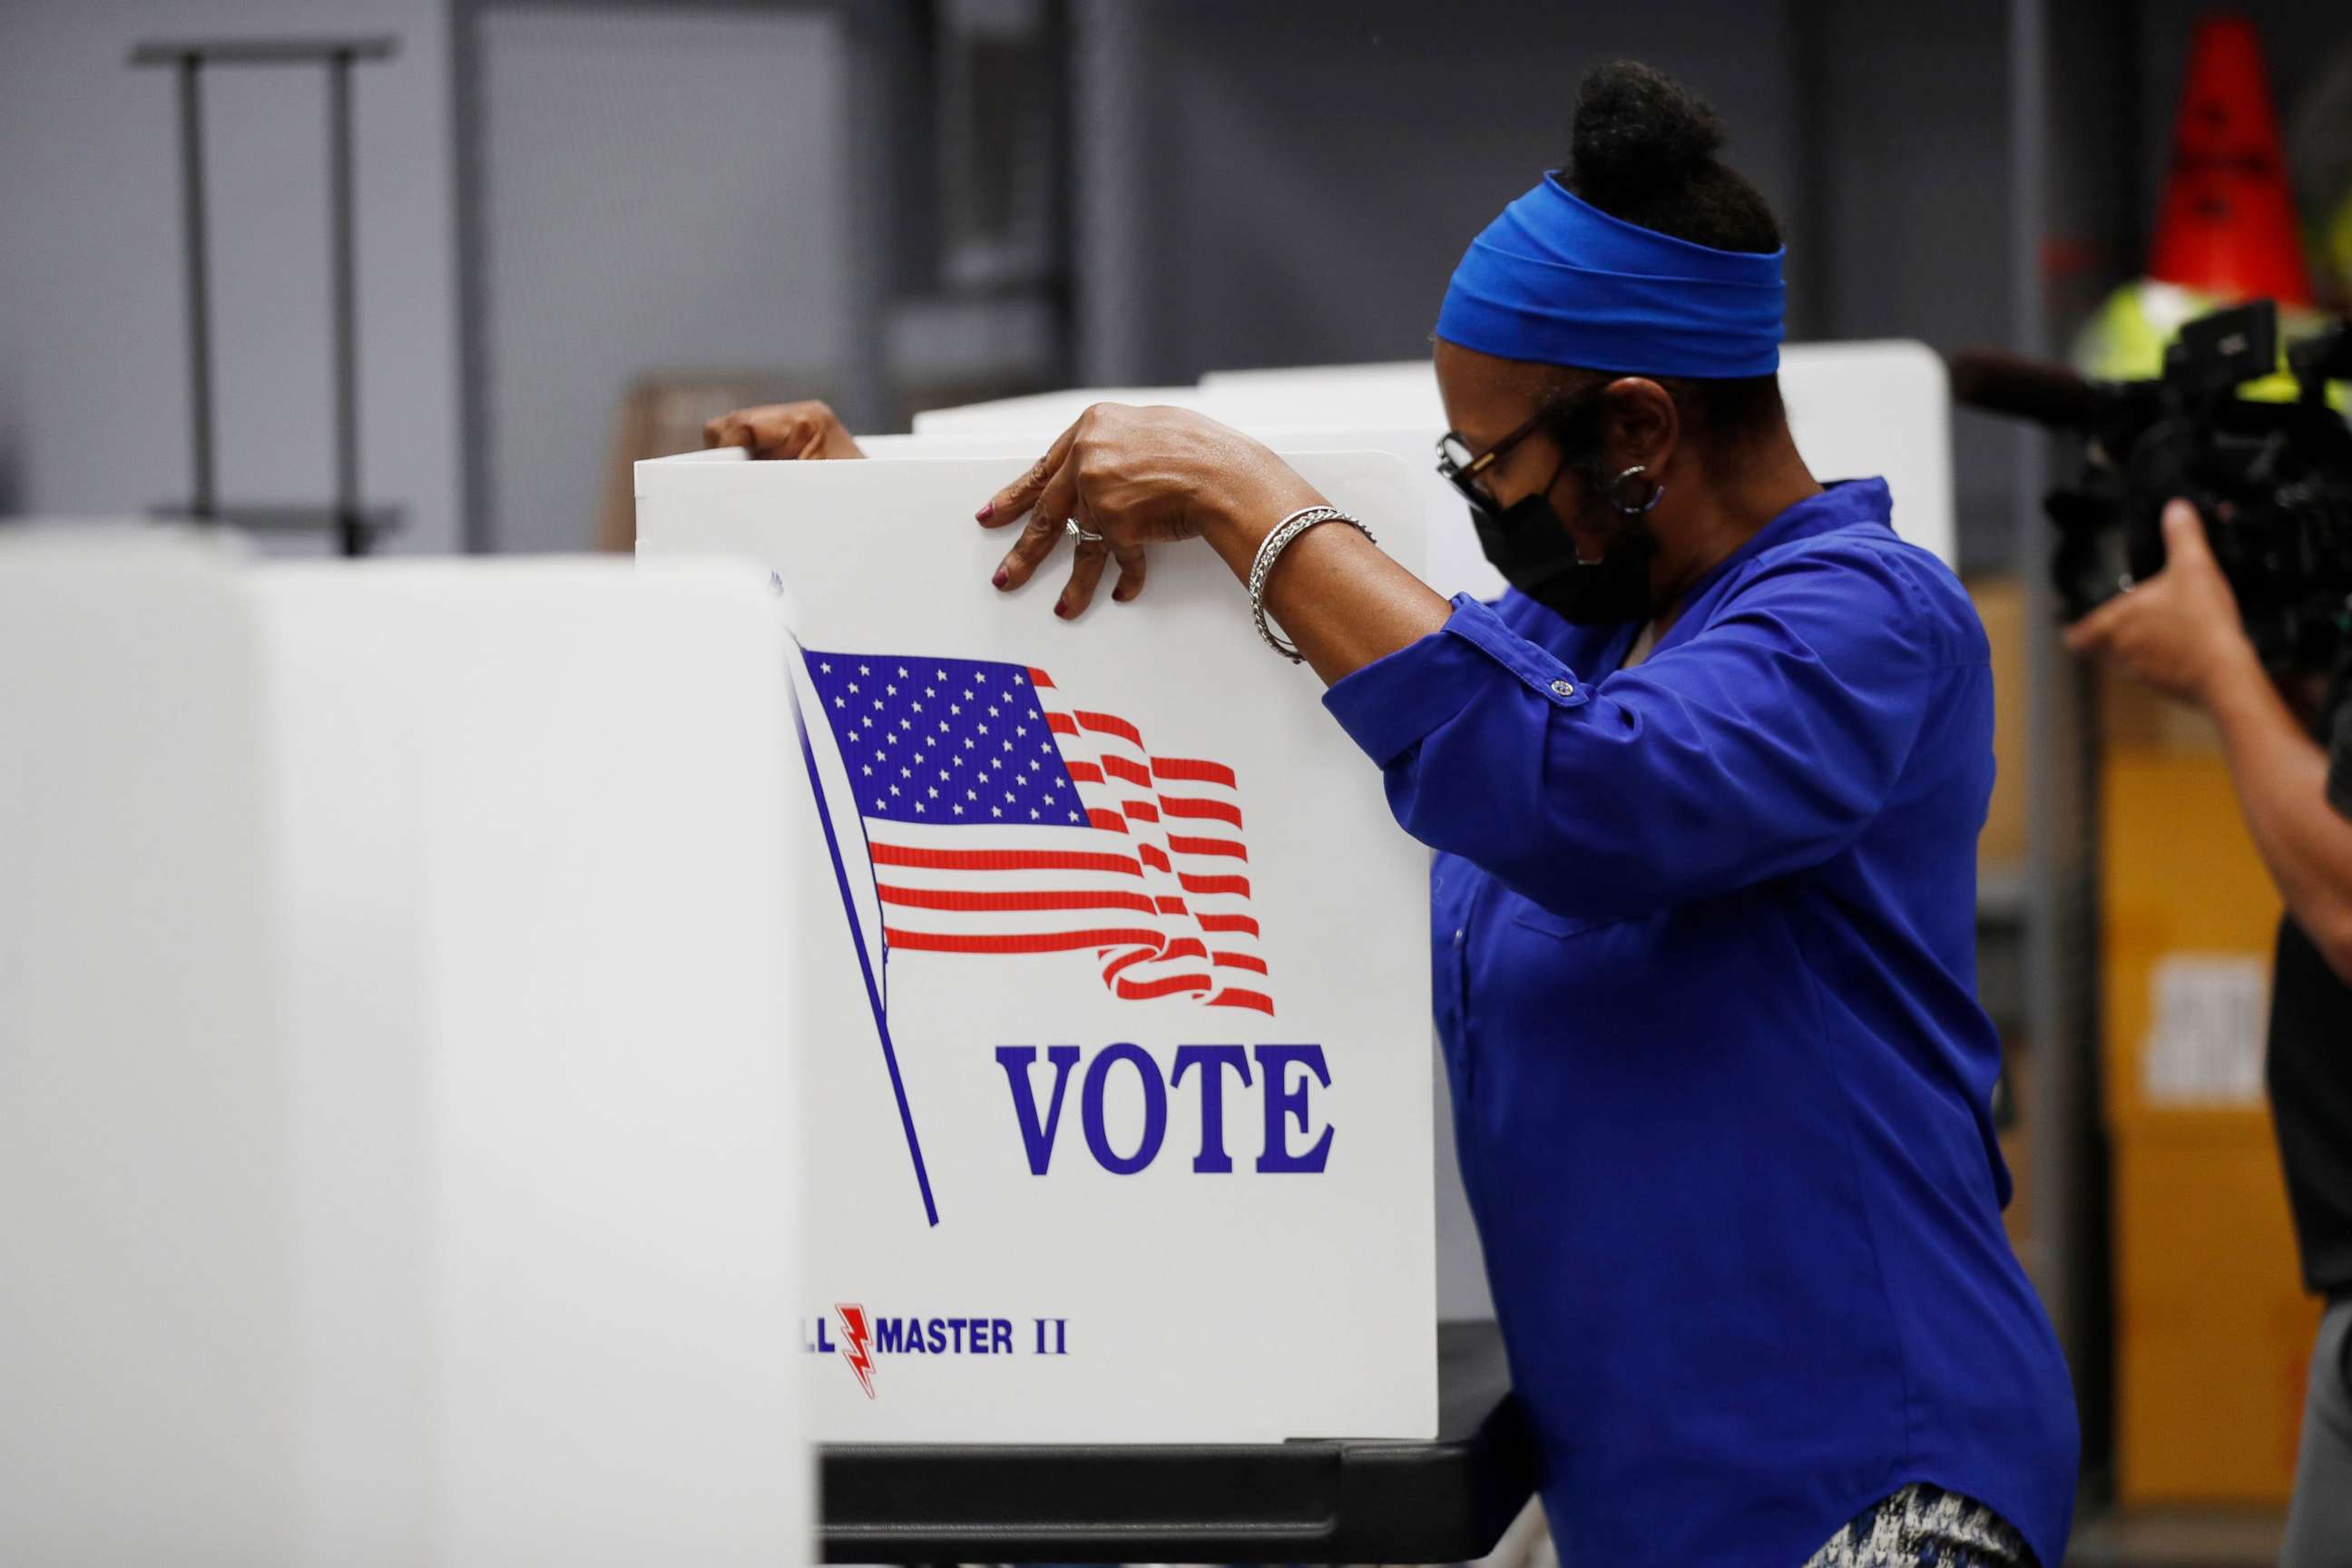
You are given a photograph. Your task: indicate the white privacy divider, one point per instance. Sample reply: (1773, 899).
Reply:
(538, 899)
(1116, 998)
(148, 1299)
(512, 1236)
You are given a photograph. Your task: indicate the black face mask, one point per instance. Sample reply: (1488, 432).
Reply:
(1529, 545)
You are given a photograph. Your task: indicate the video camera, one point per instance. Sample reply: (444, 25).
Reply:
(2271, 481)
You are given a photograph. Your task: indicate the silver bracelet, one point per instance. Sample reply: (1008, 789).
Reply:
(1271, 548)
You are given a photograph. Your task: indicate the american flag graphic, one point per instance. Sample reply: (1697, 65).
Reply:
(1002, 818)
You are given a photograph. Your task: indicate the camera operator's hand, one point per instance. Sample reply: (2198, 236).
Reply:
(804, 431)
(2179, 631)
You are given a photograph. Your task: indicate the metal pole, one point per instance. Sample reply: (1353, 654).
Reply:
(1813, 288)
(200, 334)
(474, 409)
(349, 530)
(1111, 122)
(2045, 1018)
(2058, 1112)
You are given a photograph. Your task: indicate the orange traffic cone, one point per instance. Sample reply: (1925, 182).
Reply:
(2228, 227)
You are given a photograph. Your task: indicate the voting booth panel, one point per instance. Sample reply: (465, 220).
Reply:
(1113, 993)
(404, 1105)
(546, 1155)
(147, 1292)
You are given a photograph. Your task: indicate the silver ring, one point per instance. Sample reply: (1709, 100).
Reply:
(1070, 526)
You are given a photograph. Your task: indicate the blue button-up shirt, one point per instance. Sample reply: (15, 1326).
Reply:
(1704, 934)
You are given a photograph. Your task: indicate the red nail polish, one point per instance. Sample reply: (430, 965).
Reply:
(987, 510)
(1062, 608)
(1002, 577)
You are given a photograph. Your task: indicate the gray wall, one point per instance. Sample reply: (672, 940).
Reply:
(93, 405)
(663, 188)
(1263, 184)
(1910, 222)
(1298, 180)
(1258, 184)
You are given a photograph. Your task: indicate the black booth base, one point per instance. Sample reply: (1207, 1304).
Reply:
(1446, 1499)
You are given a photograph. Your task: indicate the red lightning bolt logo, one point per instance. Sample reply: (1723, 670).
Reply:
(856, 1347)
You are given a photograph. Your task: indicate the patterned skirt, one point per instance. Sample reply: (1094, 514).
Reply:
(1925, 1527)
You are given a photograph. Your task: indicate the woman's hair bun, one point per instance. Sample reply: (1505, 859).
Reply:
(1636, 126)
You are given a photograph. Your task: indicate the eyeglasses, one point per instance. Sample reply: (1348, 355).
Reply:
(1462, 470)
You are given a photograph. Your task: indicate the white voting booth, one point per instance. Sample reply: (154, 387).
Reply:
(1113, 993)
(398, 1160)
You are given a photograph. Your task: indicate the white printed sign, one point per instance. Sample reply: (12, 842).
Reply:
(1114, 1004)
(2206, 1045)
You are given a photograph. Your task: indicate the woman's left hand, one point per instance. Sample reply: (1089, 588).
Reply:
(1140, 476)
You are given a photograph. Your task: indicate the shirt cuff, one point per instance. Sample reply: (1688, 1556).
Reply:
(1388, 706)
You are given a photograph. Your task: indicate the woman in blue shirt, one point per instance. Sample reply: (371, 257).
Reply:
(1705, 788)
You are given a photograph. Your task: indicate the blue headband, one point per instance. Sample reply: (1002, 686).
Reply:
(1556, 281)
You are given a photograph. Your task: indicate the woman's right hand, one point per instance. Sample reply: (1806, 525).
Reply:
(805, 431)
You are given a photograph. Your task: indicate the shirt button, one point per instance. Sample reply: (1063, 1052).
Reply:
(1562, 689)
(1459, 935)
